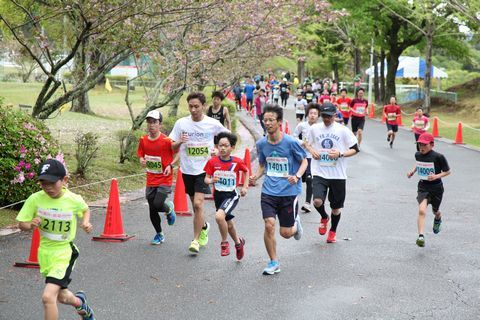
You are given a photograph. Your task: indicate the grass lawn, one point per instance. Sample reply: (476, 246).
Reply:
(7, 217)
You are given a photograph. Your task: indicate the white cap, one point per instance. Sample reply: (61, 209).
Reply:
(155, 115)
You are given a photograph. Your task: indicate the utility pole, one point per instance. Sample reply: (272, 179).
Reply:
(370, 77)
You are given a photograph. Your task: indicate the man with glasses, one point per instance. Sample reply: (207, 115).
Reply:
(329, 144)
(284, 161)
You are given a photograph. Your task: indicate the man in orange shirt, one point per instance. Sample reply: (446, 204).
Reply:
(156, 155)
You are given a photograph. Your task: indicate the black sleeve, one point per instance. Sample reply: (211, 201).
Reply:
(442, 161)
(355, 147)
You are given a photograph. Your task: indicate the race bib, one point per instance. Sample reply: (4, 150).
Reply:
(324, 160)
(227, 180)
(309, 96)
(197, 150)
(154, 164)
(55, 225)
(424, 169)
(360, 109)
(391, 116)
(277, 167)
(419, 124)
(284, 89)
(300, 108)
(344, 107)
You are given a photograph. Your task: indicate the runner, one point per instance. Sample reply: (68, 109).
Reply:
(301, 133)
(237, 91)
(391, 112)
(54, 210)
(194, 136)
(358, 106)
(284, 92)
(330, 143)
(283, 160)
(219, 112)
(308, 93)
(276, 93)
(156, 155)
(223, 171)
(344, 105)
(431, 167)
(300, 105)
(325, 97)
(420, 124)
(260, 103)
(249, 88)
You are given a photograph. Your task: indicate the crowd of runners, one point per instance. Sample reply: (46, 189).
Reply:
(202, 144)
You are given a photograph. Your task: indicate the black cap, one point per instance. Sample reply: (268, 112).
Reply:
(51, 170)
(328, 109)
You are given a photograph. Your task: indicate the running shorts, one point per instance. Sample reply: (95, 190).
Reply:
(57, 264)
(285, 207)
(336, 189)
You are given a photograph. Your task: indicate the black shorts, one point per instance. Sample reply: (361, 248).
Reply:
(308, 171)
(392, 127)
(433, 193)
(336, 189)
(195, 183)
(227, 201)
(357, 123)
(345, 120)
(63, 283)
(300, 116)
(285, 207)
(250, 101)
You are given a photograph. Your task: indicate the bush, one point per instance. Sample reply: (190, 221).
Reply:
(232, 109)
(24, 143)
(87, 147)
(128, 144)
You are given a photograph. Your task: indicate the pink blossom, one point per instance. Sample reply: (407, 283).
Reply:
(30, 175)
(37, 161)
(17, 168)
(21, 164)
(28, 166)
(23, 149)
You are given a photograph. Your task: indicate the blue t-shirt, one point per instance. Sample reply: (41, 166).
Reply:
(280, 160)
(249, 88)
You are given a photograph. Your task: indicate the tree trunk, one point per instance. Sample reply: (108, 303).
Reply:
(392, 65)
(428, 62)
(335, 70)
(382, 76)
(301, 69)
(81, 104)
(376, 90)
(357, 58)
(173, 111)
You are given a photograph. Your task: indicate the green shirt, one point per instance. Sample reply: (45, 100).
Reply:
(59, 216)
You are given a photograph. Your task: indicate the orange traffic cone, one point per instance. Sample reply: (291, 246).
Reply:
(435, 128)
(243, 102)
(287, 129)
(400, 123)
(372, 111)
(231, 96)
(32, 261)
(180, 197)
(246, 159)
(459, 135)
(113, 227)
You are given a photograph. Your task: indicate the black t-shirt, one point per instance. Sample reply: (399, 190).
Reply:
(309, 95)
(283, 88)
(218, 116)
(424, 165)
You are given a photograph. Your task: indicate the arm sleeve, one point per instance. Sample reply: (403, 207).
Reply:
(298, 152)
(351, 140)
(82, 205)
(261, 156)
(28, 211)
(444, 164)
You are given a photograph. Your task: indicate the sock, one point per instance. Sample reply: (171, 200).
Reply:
(205, 226)
(420, 235)
(335, 220)
(438, 219)
(322, 211)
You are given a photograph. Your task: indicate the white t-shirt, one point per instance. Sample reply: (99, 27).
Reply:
(300, 106)
(195, 153)
(322, 139)
(302, 128)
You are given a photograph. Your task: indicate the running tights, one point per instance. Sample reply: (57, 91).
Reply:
(155, 206)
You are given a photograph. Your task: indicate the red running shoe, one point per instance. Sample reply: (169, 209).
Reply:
(322, 229)
(332, 237)
(239, 248)
(224, 249)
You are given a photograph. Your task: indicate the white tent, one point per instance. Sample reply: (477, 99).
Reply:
(411, 67)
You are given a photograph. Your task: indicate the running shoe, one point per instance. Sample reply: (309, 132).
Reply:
(159, 238)
(306, 207)
(171, 216)
(322, 229)
(84, 310)
(299, 233)
(203, 238)
(437, 225)
(388, 138)
(332, 237)
(391, 144)
(239, 248)
(194, 247)
(224, 248)
(421, 241)
(272, 268)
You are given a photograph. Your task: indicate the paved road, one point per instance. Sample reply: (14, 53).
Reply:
(379, 274)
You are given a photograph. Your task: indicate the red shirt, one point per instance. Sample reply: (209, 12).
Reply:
(344, 106)
(325, 98)
(419, 124)
(359, 107)
(159, 155)
(392, 112)
(234, 165)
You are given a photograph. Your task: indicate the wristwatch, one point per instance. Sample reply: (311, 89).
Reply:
(299, 178)
(341, 155)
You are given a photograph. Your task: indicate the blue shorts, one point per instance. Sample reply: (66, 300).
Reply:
(285, 207)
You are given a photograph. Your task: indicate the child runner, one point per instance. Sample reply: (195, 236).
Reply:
(301, 133)
(420, 124)
(223, 172)
(391, 112)
(54, 210)
(300, 105)
(431, 167)
(260, 103)
(344, 104)
(358, 106)
(156, 155)
(276, 93)
(308, 93)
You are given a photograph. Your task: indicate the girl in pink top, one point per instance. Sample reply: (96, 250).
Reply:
(420, 124)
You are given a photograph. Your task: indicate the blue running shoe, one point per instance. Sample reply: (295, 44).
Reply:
(171, 216)
(272, 268)
(437, 225)
(159, 238)
(299, 233)
(84, 310)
